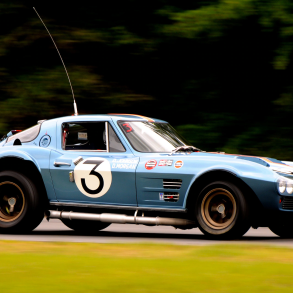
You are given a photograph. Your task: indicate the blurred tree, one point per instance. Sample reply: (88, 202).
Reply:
(220, 71)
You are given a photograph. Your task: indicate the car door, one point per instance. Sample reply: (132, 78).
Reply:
(92, 164)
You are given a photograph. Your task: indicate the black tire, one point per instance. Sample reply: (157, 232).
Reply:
(28, 211)
(283, 230)
(222, 211)
(85, 227)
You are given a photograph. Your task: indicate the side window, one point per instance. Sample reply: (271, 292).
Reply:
(115, 144)
(87, 136)
(27, 135)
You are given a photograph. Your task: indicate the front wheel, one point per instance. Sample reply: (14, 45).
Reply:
(222, 211)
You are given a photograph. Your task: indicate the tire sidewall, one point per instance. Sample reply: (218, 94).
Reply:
(32, 202)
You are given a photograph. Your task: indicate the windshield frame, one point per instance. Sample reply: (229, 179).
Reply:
(129, 141)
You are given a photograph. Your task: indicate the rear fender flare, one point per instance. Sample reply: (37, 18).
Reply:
(19, 155)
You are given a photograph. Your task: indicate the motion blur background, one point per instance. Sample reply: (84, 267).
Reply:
(221, 72)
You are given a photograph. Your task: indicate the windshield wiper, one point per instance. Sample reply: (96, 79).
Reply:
(185, 148)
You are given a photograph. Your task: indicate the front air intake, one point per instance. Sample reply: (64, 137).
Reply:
(287, 203)
(172, 183)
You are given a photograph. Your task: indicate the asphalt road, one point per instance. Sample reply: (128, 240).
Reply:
(115, 233)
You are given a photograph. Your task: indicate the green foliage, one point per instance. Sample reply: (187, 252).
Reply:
(219, 70)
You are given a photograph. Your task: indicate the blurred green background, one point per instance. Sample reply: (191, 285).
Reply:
(221, 72)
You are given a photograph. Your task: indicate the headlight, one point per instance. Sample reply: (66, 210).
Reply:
(289, 187)
(282, 186)
(285, 184)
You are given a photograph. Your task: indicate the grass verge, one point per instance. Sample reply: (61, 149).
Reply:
(71, 267)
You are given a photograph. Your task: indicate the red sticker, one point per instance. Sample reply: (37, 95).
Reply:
(178, 164)
(127, 127)
(151, 164)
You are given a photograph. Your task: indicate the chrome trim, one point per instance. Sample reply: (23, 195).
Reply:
(107, 136)
(172, 183)
(102, 206)
(120, 219)
(77, 160)
(58, 164)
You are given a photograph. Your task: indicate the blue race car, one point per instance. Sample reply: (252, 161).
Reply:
(93, 170)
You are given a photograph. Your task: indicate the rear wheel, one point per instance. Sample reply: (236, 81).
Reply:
(283, 230)
(222, 211)
(87, 227)
(21, 207)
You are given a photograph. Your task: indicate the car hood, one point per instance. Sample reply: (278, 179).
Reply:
(285, 167)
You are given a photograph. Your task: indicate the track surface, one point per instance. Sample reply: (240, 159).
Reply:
(115, 233)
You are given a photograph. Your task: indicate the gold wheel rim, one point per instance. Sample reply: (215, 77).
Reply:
(218, 208)
(9, 190)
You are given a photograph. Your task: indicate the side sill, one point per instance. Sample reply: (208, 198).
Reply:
(100, 206)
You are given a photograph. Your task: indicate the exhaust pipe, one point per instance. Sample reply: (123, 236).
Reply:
(120, 219)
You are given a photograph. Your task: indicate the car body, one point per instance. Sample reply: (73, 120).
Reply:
(75, 173)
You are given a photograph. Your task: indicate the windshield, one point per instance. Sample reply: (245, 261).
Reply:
(148, 137)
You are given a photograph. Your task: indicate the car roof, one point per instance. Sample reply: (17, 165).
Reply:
(113, 116)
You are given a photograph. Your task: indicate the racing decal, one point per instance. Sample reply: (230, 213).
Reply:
(165, 163)
(151, 164)
(82, 136)
(45, 141)
(178, 164)
(93, 176)
(127, 127)
(124, 164)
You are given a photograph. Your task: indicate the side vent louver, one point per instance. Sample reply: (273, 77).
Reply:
(172, 183)
(171, 196)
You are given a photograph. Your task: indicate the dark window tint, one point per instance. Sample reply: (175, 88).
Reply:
(84, 136)
(27, 135)
(115, 144)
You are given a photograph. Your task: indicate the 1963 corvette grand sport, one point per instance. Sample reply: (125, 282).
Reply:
(94, 170)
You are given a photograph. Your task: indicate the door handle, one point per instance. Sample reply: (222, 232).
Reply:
(58, 164)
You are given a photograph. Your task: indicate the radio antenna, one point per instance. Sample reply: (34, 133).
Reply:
(74, 103)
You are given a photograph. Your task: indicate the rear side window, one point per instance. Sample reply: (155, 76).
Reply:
(27, 135)
(89, 136)
(84, 136)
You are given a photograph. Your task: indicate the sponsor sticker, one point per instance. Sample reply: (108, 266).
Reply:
(178, 164)
(151, 164)
(45, 141)
(161, 195)
(124, 164)
(82, 136)
(166, 163)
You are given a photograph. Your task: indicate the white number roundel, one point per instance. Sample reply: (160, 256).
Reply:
(93, 176)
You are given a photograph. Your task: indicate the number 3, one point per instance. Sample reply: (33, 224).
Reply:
(127, 127)
(95, 173)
